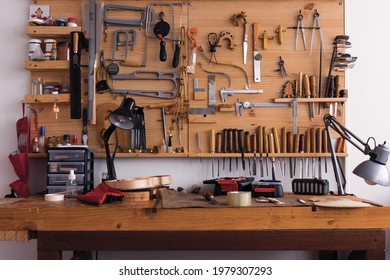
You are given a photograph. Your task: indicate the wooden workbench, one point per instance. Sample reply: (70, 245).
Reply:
(70, 225)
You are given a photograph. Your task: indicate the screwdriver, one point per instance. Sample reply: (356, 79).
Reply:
(283, 149)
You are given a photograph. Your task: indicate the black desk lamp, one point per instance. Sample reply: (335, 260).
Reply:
(373, 171)
(123, 118)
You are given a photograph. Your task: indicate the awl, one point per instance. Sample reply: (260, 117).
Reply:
(256, 53)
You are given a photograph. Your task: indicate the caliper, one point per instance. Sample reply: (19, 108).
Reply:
(225, 92)
(240, 106)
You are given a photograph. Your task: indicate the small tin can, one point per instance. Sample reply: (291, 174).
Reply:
(60, 22)
(63, 51)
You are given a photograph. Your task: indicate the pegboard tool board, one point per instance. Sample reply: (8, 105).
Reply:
(142, 59)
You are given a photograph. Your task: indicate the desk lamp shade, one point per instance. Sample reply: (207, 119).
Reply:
(374, 170)
(123, 116)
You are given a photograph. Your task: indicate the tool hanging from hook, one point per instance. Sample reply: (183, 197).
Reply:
(161, 30)
(213, 42)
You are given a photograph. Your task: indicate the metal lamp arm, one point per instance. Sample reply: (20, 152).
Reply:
(345, 133)
(109, 160)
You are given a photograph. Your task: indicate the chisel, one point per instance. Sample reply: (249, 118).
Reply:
(277, 146)
(248, 149)
(283, 149)
(289, 149)
(325, 147)
(301, 149)
(218, 148)
(266, 148)
(313, 149)
(230, 147)
(261, 150)
(212, 150)
(319, 150)
(224, 146)
(236, 149)
(307, 150)
(296, 150)
(272, 151)
(254, 148)
(241, 145)
(75, 77)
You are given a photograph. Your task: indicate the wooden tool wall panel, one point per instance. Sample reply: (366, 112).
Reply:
(230, 71)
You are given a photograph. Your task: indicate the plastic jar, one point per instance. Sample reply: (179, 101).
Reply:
(33, 44)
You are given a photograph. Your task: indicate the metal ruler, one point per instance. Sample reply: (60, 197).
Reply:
(92, 61)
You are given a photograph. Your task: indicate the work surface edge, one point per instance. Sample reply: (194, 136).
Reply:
(34, 214)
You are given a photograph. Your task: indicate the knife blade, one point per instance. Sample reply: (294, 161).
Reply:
(245, 41)
(256, 53)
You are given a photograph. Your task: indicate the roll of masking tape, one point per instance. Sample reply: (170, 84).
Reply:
(239, 199)
(54, 197)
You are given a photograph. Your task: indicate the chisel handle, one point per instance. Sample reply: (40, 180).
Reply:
(307, 141)
(325, 145)
(265, 138)
(313, 86)
(313, 138)
(306, 86)
(212, 140)
(301, 147)
(219, 142)
(290, 142)
(248, 142)
(271, 140)
(254, 142)
(276, 140)
(230, 140)
(260, 139)
(225, 142)
(283, 147)
(319, 140)
(236, 148)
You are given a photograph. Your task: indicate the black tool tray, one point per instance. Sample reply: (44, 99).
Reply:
(228, 184)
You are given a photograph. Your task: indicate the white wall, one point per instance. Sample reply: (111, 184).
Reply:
(367, 26)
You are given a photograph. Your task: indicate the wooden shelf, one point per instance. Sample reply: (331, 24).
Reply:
(46, 65)
(311, 100)
(204, 155)
(47, 98)
(50, 31)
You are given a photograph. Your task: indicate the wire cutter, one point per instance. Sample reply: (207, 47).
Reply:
(302, 28)
(316, 25)
(213, 42)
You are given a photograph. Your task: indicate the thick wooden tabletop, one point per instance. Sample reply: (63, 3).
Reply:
(35, 214)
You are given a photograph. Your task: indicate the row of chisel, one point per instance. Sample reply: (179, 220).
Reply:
(264, 148)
